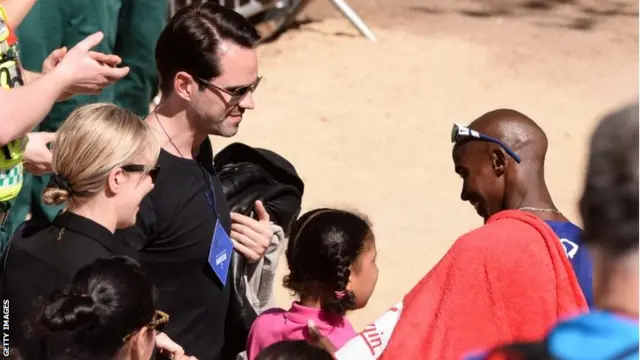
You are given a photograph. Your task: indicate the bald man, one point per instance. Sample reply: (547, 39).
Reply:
(500, 157)
(508, 279)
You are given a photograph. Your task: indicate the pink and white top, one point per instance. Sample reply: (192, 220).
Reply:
(276, 325)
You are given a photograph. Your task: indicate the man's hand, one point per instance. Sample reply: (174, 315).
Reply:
(251, 237)
(37, 156)
(86, 71)
(56, 57)
(170, 349)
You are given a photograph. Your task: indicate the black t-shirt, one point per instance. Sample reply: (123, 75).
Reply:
(173, 235)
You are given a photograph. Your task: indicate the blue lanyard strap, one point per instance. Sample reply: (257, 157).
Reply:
(209, 190)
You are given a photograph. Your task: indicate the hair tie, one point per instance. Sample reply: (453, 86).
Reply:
(340, 294)
(58, 181)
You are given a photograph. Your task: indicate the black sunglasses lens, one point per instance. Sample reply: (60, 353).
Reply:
(153, 173)
(235, 100)
(240, 93)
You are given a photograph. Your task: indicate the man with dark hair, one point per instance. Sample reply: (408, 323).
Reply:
(609, 204)
(500, 158)
(185, 233)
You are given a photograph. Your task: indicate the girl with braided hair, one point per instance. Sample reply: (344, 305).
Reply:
(332, 270)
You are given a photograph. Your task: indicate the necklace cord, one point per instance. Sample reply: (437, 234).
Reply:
(166, 133)
(529, 208)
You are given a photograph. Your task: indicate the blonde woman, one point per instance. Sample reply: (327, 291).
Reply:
(104, 162)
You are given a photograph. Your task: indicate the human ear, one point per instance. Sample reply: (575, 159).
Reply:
(142, 344)
(115, 180)
(498, 162)
(184, 85)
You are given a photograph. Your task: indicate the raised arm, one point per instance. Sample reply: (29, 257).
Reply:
(24, 107)
(16, 10)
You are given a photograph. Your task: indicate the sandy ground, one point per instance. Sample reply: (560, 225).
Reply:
(367, 124)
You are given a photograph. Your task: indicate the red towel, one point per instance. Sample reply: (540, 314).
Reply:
(508, 280)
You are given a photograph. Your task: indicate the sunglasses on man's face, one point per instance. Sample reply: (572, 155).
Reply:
(462, 132)
(153, 172)
(236, 94)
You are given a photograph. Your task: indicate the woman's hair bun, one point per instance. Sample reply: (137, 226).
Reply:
(69, 312)
(55, 196)
(106, 301)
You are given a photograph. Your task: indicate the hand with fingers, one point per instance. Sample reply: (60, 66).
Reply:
(56, 57)
(170, 349)
(251, 237)
(37, 156)
(85, 71)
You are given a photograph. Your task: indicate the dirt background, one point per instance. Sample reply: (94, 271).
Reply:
(367, 124)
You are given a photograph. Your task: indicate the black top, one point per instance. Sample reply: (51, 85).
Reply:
(41, 259)
(173, 235)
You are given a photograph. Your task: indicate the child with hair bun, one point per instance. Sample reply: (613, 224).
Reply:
(332, 270)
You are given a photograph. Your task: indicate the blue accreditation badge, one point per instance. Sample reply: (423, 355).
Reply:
(220, 253)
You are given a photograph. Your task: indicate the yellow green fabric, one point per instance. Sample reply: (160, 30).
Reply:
(11, 169)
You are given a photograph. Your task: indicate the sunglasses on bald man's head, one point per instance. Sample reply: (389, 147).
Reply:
(462, 133)
(236, 93)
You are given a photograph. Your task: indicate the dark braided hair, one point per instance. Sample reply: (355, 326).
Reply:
(323, 245)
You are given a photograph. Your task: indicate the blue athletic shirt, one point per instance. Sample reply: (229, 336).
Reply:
(571, 238)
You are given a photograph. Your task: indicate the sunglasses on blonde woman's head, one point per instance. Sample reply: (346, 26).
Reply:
(236, 93)
(153, 172)
(159, 318)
